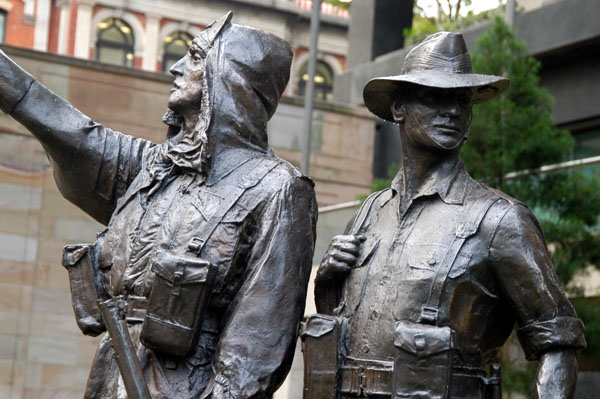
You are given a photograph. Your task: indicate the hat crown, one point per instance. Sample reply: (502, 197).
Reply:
(442, 51)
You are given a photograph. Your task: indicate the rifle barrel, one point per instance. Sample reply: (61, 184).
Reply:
(127, 360)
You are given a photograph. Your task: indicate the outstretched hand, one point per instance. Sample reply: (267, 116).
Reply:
(341, 257)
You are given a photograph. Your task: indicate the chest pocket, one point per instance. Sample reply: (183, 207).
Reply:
(206, 203)
(425, 256)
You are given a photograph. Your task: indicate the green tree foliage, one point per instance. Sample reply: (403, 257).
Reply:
(340, 4)
(449, 18)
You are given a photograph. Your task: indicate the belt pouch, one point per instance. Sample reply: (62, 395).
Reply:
(85, 284)
(422, 364)
(320, 344)
(176, 304)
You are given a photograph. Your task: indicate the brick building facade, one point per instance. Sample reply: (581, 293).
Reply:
(149, 35)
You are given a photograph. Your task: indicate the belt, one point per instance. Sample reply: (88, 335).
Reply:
(374, 379)
(136, 309)
(472, 383)
(366, 377)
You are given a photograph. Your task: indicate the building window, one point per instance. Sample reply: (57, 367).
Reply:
(115, 42)
(176, 46)
(2, 25)
(323, 81)
(587, 144)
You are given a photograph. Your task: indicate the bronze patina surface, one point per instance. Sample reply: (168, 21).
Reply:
(431, 275)
(206, 256)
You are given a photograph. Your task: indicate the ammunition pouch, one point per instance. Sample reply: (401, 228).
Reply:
(84, 281)
(423, 361)
(320, 336)
(176, 303)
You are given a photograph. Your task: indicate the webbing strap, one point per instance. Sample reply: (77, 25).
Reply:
(364, 212)
(253, 177)
(468, 224)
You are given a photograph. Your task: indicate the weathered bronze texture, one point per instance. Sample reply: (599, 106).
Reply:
(209, 235)
(432, 274)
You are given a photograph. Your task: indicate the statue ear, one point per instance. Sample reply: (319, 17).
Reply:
(398, 109)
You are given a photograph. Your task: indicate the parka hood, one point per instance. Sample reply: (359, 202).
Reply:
(246, 72)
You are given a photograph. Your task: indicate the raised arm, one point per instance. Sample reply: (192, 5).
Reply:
(258, 341)
(549, 328)
(92, 165)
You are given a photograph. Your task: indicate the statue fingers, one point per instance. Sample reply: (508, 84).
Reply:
(346, 257)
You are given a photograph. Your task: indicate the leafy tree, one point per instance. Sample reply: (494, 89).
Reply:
(449, 18)
(345, 5)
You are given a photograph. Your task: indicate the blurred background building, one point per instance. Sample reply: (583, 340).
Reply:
(111, 58)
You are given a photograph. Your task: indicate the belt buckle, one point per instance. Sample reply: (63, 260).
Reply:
(361, 379)
(429, 315)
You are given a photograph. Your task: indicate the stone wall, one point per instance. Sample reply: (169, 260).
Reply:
(42, 352)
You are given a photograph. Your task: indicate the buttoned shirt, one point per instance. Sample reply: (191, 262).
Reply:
(501, 274)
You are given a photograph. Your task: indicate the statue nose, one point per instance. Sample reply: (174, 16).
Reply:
(176, 69)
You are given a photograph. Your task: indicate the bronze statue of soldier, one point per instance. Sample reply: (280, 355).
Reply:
(427, 282)
(202, 270)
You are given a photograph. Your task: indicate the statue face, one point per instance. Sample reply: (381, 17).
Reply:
(186, 95)
(440, 117)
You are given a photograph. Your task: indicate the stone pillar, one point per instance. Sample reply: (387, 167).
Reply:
(83, 29)
(376, 28)
(151, 42)
(63, 27)
(42, 25)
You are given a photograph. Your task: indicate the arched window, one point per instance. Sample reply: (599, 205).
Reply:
(115, 42)
(323, 81)
(176, 46)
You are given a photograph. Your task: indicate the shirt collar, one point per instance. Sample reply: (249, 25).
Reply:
(451, 190)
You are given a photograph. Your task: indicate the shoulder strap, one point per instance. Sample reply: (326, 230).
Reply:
(364, 212)
(255, 174)
(468, 224)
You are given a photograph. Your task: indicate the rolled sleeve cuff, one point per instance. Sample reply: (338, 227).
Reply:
(560, 332)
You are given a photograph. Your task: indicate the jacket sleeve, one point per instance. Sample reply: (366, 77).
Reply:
(92, 165)
(523, 269)
(257, 344)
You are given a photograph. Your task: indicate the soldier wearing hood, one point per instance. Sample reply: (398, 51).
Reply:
(212, 194)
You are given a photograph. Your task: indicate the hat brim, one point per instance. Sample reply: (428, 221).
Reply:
(379, 93)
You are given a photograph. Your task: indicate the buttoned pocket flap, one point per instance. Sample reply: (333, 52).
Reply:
(72, 254)
(182, 268)
(422, 340)
(318, 325)
(426, 256)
